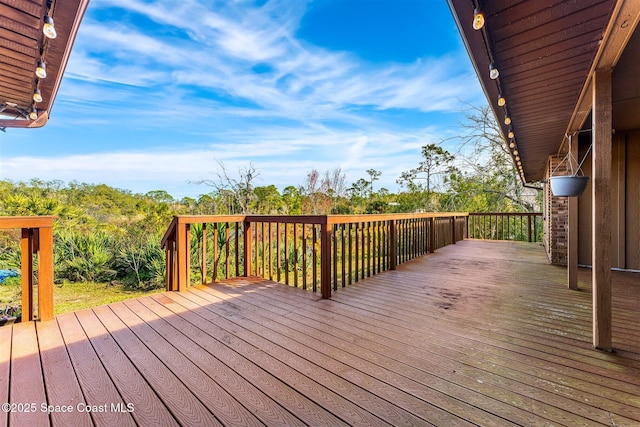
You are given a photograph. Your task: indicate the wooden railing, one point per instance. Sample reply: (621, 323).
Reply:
(520, 226)
(313, 252)
(36, 241)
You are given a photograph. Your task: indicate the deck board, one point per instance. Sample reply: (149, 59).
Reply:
(5, 370)
(479, 333)
(61, 383)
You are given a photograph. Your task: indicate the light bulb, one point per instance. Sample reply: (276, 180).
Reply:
(49, 29)
(478, 19)
(37, 96)
(517, 158)
(41, 70)
(493, 72)
(507, 120)
(501, 101)
(515, 152)
(511, 135)
(33, 114)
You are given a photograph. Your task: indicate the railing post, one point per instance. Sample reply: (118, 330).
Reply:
(183, 249)
(432, 234)
(246, 226)
(529, 227)
(45, 273)
(27, 274)
(169, 271)
(393, 245)
(325, 260)
(453, 230)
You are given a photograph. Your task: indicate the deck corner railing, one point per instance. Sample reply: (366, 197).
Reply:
(36, 240)
(317, 252)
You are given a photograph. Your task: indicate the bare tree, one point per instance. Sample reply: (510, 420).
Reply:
(486, 158)
(238, 190)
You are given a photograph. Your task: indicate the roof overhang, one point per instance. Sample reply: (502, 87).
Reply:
(22, 45)
(546, 52)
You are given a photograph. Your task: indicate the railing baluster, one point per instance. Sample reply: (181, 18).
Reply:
(278, 256)
(304, 257)
(286, 253)
(295, 254)
(350, 252)
(270, 250)
(315, 257)
(357, 254)
(203, 262)
(227, 237)
(334, 249)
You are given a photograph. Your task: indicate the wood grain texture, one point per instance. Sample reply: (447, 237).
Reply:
(97, 387)
(601, 208)
(61, 383)
(205, 389)
(175, 396)
(27, 384)
(481, 333)
(5, 370)
(132, 387)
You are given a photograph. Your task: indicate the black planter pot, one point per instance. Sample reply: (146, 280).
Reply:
(568, 186)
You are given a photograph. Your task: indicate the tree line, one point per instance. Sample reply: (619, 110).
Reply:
(105, 234)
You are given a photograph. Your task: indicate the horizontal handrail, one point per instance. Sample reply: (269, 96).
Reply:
(304, 250)
(36, 239)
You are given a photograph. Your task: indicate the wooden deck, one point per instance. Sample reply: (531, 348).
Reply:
(479, 333)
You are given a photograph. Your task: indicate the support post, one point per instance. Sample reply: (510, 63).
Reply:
(27, 274)
(183, 249)
(572, 238)
(45, 273)
(325, 260)
(601, 187)
(246, 227)
(393, 245)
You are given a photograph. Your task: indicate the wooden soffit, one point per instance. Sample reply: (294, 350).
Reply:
(545, 51)
(22, 45)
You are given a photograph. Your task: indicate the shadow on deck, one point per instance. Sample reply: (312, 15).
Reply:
(479, 333)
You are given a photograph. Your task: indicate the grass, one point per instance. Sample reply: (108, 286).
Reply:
(74, 296)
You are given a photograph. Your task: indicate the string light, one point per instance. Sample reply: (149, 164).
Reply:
(41, 70)
(37, 96)
(507, 120)
(515, 152)
(49, 29)
(33, 114)
(511, 134)
(493, 71)
(512, 144)
(501, 101)
(478, 19)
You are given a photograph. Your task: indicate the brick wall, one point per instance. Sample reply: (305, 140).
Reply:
(556, 215)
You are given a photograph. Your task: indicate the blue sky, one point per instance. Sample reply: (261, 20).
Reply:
(157, 92)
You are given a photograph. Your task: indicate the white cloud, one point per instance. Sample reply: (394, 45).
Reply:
(191, 71)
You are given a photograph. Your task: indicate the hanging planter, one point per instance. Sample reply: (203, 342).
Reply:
(572, 185)
(568, 186)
